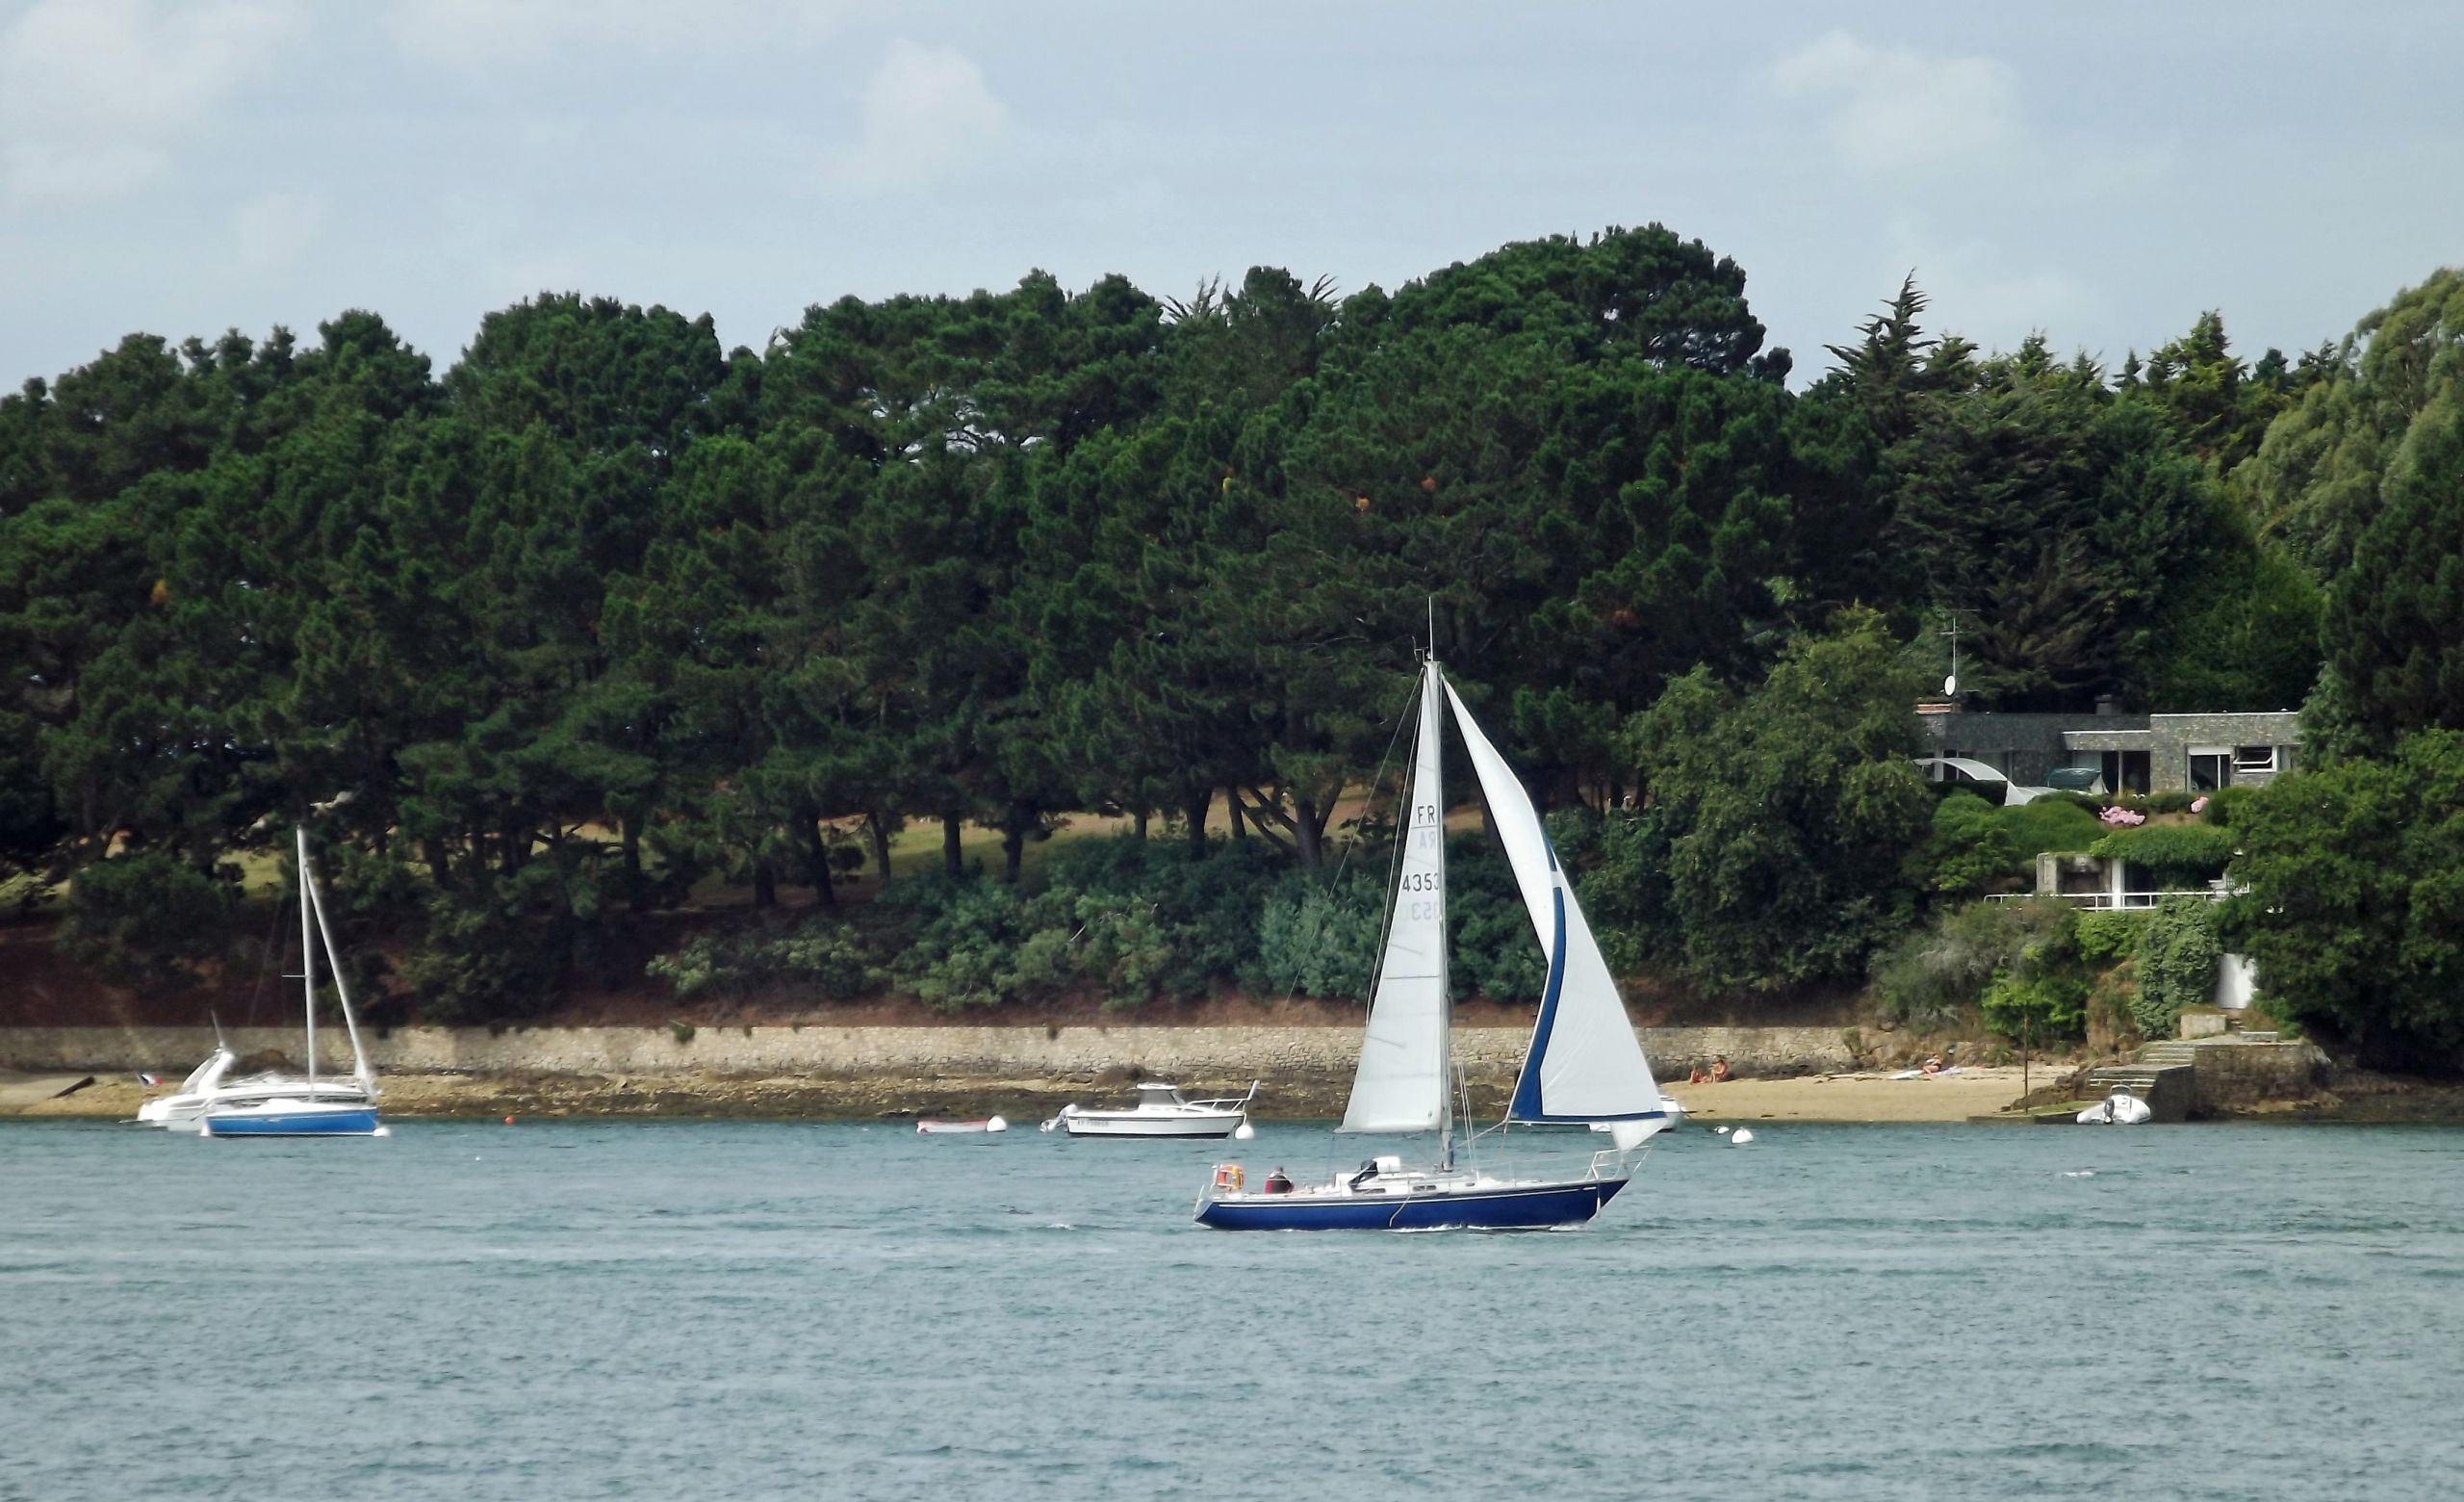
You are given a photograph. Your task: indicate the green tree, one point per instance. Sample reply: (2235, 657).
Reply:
(2353, 900)
(1789, 813)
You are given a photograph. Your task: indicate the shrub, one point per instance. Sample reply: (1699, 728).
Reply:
(2177, 853)
(2046, 1006)
(2177, 958)
(1967, 847)
(2028, 949)
(2050, 824)
(2107, 937)
(831, 955)
(1318, 938)
(1495, 954)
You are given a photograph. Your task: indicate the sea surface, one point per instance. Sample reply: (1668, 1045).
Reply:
(706, 1311)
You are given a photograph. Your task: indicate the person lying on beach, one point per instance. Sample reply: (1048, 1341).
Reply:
(1698, 1076)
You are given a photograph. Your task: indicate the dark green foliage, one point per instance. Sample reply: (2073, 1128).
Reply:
(602, 614)
(2179, 854)
(1787, 815)
(1496, 953)
(2044, 824)
(1318, 938)
(826, 956)
(1969, 847)
(2016, 963)
(146, 919)
(2104, 937)
(2177, 958)
(2355, 912)
(2395, 627)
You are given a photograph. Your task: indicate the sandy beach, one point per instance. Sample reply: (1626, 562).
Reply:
(1863, 1097)
(1818, 1097)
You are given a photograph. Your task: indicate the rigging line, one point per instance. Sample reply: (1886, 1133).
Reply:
(1402, 834)
(1344, 862)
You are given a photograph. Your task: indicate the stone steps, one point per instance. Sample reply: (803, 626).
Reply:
(2165, 1087)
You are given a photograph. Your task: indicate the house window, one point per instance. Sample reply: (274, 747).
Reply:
(2253, 762)
(2211, 768)
(2125, 771)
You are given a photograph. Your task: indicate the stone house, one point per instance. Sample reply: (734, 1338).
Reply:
(2127, 753)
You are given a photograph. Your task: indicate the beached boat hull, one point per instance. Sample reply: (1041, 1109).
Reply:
(1504, 1206)
(305, 1120)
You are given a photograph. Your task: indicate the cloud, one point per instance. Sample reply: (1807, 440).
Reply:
(1985, 288)
(275, 230)
(1893, 109)
(475, 38)
(95, 93)
(925, 109)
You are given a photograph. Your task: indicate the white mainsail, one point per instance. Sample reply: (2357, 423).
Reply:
(1585, 1063)
(1401, 1084)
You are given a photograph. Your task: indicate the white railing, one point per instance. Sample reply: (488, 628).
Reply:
(2110, 901)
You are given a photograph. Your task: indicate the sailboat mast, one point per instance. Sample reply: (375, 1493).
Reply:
(341, 990)
(1436, 691)
(307, 954)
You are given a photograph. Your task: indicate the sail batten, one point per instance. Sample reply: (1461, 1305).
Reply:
(1401, 1085)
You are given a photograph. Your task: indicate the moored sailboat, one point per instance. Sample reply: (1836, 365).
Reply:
(307, 1108)
(1585, 1066)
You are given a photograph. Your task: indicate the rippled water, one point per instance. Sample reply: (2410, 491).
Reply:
(752, 1310)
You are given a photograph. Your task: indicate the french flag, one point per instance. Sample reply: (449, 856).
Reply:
(148, 1080)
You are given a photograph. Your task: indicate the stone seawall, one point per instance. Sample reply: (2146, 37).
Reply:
(1065, 1052)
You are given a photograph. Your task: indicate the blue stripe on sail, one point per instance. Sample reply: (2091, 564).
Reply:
(1527, 1107)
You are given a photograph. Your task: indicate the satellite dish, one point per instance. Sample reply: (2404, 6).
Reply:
(1950, 685)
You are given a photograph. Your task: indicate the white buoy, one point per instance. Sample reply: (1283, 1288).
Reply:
(1244, 1133)
(997, 1124)
(1740, 1137)
(1722, 1130)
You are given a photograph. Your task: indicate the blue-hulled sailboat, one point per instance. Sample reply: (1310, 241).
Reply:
(1585, 1065)
(312, 1110)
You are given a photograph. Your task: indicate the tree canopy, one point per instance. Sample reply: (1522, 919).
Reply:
(602, 612)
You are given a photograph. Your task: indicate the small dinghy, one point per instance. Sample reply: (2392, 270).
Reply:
(929, 1126)
(2121, 1108)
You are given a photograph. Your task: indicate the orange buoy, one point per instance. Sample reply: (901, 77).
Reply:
(508, 1121)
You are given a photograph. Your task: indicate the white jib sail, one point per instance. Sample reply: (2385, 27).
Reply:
(1401, 1084)
(1585, 1063)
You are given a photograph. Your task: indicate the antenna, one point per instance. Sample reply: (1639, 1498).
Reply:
(1432, 625)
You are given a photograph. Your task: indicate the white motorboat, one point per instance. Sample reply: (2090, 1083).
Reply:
(1160, 1111)
(2121, 1108)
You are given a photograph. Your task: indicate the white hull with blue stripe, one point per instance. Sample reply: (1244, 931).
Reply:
(294, 1119)
(1585, 1066)
(275, 1105)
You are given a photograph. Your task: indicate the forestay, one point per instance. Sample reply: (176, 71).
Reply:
(1401, 1085)
(1584, 1063)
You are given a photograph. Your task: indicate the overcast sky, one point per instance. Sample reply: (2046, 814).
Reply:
(2102, 172)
